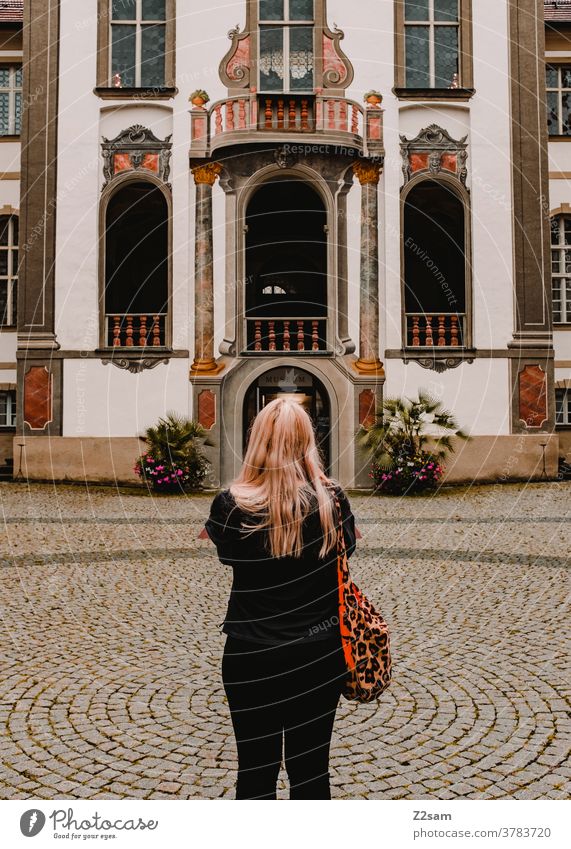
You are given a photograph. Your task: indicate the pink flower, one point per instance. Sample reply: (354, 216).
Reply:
(179, 472)
(160, 468)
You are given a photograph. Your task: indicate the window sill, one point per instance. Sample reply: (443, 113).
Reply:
(434, 93)
(564, 325)
(8, 328)
(559, 138)
(131, 93)
(10, 137)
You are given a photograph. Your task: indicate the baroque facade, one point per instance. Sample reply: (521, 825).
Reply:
(339, 214)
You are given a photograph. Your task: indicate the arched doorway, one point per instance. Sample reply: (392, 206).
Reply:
(302, 387)
(286, 268)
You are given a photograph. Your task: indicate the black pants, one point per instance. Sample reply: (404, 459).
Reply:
(284, 694)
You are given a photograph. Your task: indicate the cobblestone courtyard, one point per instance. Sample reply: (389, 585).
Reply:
(110, 684)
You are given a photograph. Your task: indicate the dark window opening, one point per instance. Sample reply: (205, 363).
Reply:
(434, 264)
(136, 264)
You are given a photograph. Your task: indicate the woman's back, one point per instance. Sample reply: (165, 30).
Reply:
(278, 600)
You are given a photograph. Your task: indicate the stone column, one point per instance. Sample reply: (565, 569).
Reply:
(204, 362)
(368, 174)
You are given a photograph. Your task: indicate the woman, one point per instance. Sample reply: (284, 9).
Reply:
(283, 665)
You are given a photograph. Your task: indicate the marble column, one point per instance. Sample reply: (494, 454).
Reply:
(204, 362)
(368, 174)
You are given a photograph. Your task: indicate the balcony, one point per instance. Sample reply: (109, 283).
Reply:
(316, 119)
(299, 335)
(427, 330)
(135, 330)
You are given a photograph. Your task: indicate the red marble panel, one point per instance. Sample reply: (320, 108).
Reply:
(151, 162)
(375, 127)
(331, 61)
(448, 161)
(241, 58)
(366, 407)
(206, 408)
(37, 397)
(418, 161)
(533, 396)
(122, 162)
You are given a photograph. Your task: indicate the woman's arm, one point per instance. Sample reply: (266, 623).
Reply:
(222, 528)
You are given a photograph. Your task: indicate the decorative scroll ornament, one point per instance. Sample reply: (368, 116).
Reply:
(337, 69)
(136, 366)
(136, 149)
(434, 151)
(234, 69)
(440, 365)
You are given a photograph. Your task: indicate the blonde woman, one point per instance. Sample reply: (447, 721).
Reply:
(283, 665)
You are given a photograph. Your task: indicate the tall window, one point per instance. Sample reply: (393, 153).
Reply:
(434, 266)
(432, 43)
(10, 100)
(136, 266)
(138, 39)
(561, 268)
(563, 406)
(8, 269)
(8, 408)
(286, 55)
(558, 85)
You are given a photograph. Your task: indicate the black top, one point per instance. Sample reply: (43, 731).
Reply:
(277, 600)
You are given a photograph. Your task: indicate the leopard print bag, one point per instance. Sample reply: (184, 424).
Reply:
(364, 634)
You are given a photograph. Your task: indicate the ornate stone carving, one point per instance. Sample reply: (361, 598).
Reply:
(136, 149)
(135, 366)
(434, 151)
(367, 172)
(234, 69)
(439, 364)
(207, 173)
(282, 157)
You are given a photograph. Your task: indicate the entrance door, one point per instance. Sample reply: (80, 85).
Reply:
(302, 387)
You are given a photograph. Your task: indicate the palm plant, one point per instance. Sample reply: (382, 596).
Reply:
(174, 455)
(397, 439)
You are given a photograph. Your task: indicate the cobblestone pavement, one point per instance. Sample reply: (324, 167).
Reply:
(110, 683)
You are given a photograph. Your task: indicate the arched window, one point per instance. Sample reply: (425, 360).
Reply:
(136, 266)
(434, 266)
(561, 268)
(8, 269)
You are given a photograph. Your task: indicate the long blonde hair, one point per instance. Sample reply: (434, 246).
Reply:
(281, 478)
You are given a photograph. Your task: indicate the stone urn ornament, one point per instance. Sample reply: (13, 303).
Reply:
(199, 97)
(373, 99)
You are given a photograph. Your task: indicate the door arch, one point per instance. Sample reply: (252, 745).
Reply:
(299, 385)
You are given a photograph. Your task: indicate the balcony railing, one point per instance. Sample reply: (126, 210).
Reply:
(426, 330)
(241, 118)
(135, 330)
(286, 335)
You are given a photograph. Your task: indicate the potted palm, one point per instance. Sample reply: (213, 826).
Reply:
(174, 460)
(403, 461)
